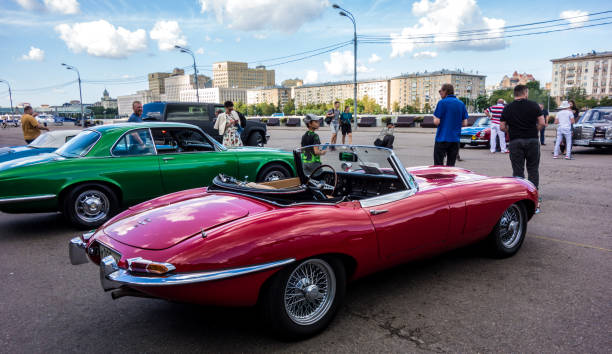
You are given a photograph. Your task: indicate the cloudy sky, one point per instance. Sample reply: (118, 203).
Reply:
(115, 44)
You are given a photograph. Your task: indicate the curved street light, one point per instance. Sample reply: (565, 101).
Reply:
(349, 15)
(10, 94)
(195, 68)
(70, 67)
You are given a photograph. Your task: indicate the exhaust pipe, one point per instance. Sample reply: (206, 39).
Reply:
(121, 292)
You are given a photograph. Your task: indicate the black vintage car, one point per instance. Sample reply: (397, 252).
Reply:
(594, 128)
(202, 115)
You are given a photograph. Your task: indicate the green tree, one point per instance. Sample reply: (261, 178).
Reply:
(605, 101)
(395, 107)
(427, 108)
(240, 107)
(482, 103)
(577, 95)
(505, 94)
(289, 108)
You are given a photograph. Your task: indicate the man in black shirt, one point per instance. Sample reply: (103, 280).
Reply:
(522, 120)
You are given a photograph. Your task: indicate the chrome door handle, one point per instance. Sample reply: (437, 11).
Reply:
(376, 212)
(167, 158)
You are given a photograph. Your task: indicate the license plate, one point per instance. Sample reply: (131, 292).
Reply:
(464, 141)
(106, 251)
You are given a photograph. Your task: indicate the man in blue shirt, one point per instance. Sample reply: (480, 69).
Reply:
(450, 115)
(137, 115)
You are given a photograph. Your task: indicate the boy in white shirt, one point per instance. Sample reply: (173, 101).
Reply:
(564, 119)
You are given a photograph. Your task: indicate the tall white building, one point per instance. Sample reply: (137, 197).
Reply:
(214, 95)
(124, 103)
(591, 72)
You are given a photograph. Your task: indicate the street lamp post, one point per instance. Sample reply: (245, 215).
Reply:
(10, 94)
(70, 67)
(350, 16)
(195, 68)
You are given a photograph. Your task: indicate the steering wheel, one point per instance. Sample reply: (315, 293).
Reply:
(319, 187)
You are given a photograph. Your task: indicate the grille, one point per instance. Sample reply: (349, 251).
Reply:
(587, 132)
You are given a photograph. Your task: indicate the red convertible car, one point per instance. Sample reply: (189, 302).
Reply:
(292, 245)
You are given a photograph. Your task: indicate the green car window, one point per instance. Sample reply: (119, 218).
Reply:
(80, 144)
(133, 143)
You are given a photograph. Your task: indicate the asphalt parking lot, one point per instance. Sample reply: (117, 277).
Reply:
(553, 296)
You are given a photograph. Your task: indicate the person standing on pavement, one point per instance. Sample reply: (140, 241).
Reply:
(545, 114)
(523, 119)
(494, 113)
(450, 115)
(29, 125)
(564, 121)
(311, 156)
(345, 125)
(227, 124)
(136, 117)
(333, 119)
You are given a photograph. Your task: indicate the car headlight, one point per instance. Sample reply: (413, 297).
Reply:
(609, 133)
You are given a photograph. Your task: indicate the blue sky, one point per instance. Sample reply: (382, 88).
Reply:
(116, 43)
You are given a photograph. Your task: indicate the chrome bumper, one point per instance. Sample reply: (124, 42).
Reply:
(77, 250)
(113, 277)
(592, 142)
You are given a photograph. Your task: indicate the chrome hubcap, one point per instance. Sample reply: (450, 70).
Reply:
(92, 206)
(310, 292)
(274, 176)
(510, 226)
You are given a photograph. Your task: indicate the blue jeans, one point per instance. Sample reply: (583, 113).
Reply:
(542, 135)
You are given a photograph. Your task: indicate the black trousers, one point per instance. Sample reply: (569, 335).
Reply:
(386, 142)
(447, 149)
(525, 153)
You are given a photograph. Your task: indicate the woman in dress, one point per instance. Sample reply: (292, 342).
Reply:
(227, 124)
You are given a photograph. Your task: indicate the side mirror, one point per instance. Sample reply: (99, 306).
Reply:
(347, 156)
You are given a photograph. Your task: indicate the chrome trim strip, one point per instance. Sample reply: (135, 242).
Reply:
(27, 199)
(123, 277)
(386, 198)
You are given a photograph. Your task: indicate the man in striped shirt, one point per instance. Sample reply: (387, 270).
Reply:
(495, 113)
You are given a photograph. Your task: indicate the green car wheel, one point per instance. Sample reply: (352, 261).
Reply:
(90, 205)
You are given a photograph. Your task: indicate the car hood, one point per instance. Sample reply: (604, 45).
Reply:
(436, 176)
(472, 130)
(167, 225)
(30, 160)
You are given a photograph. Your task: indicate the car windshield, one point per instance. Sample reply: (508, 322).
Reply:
(597, 115)
(347, 158)
(80, 144)
(43, 140)
(481, 122)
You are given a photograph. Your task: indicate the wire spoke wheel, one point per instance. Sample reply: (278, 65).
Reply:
(309, 292)
(511, 226)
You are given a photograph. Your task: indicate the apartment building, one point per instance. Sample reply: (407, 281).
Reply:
(591, 72)
(214, 95)
(331, 91)
(420, 89)
(277, 95)
(156, 83)
(175, 84)
(124, 103)
(239, 75)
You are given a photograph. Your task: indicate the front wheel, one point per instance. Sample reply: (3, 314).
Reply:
(303, 299)
(90, 205)
(509, 232)
(273, 172)
(256, 139)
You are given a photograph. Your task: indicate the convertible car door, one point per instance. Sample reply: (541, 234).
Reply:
(408, 224)
(188, 159)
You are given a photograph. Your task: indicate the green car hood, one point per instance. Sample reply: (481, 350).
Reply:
(30, 160)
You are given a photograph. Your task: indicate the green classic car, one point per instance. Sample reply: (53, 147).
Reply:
(106, 168)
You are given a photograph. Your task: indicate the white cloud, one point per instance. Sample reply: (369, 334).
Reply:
(260, 36)
(67, 7)
(200, 51)
(28, 4)
(102, 39)
(252, 15)
(35, 54)
(342, 63)
(441, 19)
(237, 39)
(425, 55)
(167, 34)
(218, 40)
(311, 77)
(207, 38)
(374, 59)
(576, 18)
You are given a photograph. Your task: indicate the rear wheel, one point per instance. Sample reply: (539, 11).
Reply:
(90, 205)
(508, 235)
(256, 139)
(303, 299)
(273, 172)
